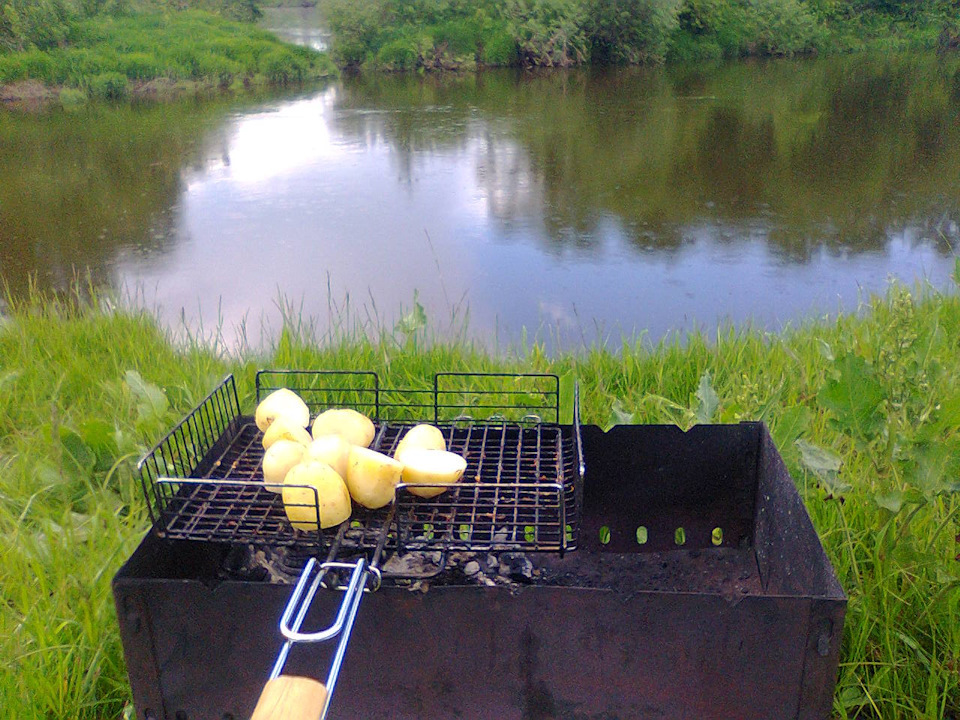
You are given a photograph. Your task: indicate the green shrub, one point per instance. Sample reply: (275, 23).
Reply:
(401, 54)
(356, 29)
(631, 31)
(72, 98)
(108, 86)
(782, 27)
(33, 23)
(498, 47)
(139, 66)
(217, 68)
(549, 32)
(282, 66)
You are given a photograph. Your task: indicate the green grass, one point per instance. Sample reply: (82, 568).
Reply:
(105, 54)
(864, 407)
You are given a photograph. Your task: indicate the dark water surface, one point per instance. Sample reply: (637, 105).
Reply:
(578, 205)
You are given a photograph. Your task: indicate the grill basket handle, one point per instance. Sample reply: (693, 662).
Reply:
(291, 697)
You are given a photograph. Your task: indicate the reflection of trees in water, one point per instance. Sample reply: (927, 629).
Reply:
(79, 189)
(838, 153)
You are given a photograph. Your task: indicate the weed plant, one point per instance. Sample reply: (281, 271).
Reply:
(865, 409)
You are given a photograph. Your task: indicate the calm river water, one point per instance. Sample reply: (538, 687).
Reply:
(576, 205)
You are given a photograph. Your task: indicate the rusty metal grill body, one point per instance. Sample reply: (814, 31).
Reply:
(743, 620)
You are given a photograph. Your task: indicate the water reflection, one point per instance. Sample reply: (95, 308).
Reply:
(575, 204)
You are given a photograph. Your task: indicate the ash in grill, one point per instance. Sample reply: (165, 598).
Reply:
(641, 572)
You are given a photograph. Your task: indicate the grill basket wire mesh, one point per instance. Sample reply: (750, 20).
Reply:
(521, 490)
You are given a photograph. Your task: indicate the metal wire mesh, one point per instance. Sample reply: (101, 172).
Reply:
(521, 489)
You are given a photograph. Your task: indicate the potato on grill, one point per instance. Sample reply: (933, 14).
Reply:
(282, 403)
(284, 429)
(372, 477)
(423, 436)
(354, 427)
(278, 461)
(300, 503)
(334, 450)
(431, 467)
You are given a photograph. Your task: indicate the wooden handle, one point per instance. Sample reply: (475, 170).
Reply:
(291, 697)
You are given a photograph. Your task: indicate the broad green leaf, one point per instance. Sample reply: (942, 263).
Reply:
(892, 501)
(708, 399)
(76, 452)
(816, 459)
(855, 398)
(824, 464)
(791, 425)
(151, 402)
(100, 437)
(936, 467)
(956, 271)
(414, 320)
(852, 696)
(619, 415)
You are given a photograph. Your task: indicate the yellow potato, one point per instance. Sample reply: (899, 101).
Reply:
(300, 502)
(431, 467)
(282, 429)
(278, 459)
(372, 477)
(333, 450)
(425, 437)
(356, 428)
(282, 403)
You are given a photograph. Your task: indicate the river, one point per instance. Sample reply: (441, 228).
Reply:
(569, 207)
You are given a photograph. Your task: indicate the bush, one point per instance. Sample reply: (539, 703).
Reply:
(745, 27)
(399, 54)
(549, 32)
(108, 86)
(72, 98)
(631, 31)
(282, 66)
(139, 66)
(33, 23)
(498, 47)
(356, 29)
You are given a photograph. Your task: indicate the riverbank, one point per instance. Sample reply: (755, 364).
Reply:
(865, 409)
(153, 55)
(434, 35)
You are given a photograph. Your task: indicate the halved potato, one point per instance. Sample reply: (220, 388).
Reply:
(334, 450)
(282, 403)
(283, 429)
(372, 477)
(356, 428)
(279, 459)
(425, 437)
(431, 467)
(300, 502)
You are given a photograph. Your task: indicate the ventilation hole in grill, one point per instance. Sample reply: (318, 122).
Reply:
(642, 535)
(680, 536)
(604, 535)
(716, 537)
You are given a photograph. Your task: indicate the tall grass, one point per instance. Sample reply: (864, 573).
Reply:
(103, 54)
(865, 409)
